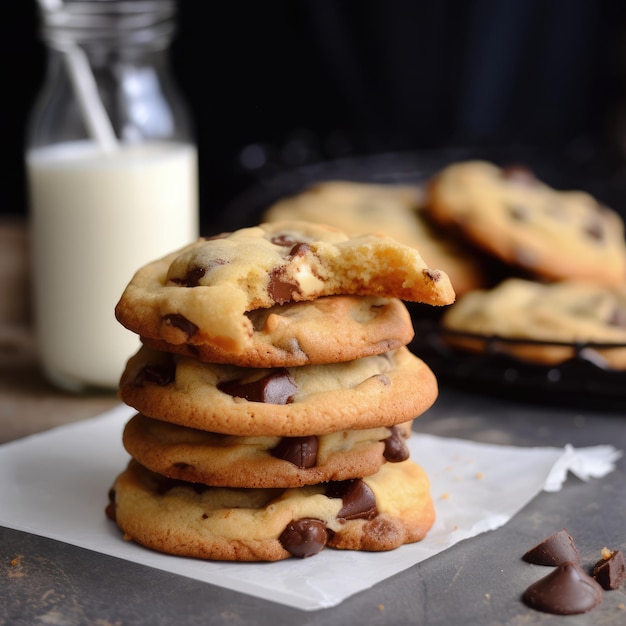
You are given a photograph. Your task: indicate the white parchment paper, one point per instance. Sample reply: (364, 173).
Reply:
(55, 484)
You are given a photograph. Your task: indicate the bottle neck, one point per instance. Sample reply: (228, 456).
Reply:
(127, 26)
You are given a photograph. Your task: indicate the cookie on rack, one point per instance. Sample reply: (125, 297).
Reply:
(379, 512)
(203, 293)
(572, 313)
(520, 220)
(379, 390)
(260, 462)
(324, 330)
(396, 209)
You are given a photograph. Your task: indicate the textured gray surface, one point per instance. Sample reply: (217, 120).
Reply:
(478, 581)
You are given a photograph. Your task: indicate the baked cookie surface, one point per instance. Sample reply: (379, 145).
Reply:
(324, 330)
(230, 461)
(380, 390)
(207, 288)
(380, 512)
(569, 311)
(397, 210)
(518, 219)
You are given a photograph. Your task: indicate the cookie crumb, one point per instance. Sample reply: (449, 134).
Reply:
(381, 607)
(606, 553)
(479, 475)
(445, 496)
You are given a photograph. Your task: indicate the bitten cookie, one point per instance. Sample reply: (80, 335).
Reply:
(397, 210)
(201, 294)
(520, 220)
(380, 512)
(568, 311)
(324, 330)
(381, 390)
(230, 461)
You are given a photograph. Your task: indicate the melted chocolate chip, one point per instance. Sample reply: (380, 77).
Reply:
(275, 388)
(611, 572)
(192, 278)
(396, 449)
(284, 239)
(300, 249)
(567, 590)
(359, 501)
(301, 451)
(304, 537)
(556, 549)
(161, 374)
(279, 288)
(182, 323)
(434, 275)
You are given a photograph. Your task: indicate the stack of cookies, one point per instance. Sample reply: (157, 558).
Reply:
(275, 394)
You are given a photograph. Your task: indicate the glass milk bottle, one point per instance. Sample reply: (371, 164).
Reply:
(112, 178)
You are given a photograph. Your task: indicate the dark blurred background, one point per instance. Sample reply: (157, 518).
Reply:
(283, 84)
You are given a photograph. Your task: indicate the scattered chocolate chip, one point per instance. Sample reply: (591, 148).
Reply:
(182, 323)
(275, 388)
(610, 572)
(279, 288)
(556, 549)
(304, 537)
(161, 374)
(518, 173)
(301, 451)
(359, 501)
(566, 590)
(396, 449)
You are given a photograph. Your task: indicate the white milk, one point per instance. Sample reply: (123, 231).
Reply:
(95, 219)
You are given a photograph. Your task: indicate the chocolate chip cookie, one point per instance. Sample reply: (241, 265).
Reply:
(325, 330)
(233, 461)
(379, 512)
(518, 219)
(203, 293)
(380, 390)
(568, 312)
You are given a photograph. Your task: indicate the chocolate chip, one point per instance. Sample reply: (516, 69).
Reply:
(182, 323)
(301, 451)
(567, 590)
(359, 501)
(284, 240)
(434, 275)
(192, 278)
(300, 249)
(304, 537)
(396, 449)
(518, 212)
(595, 229)
(279, 288)
(275, 388)
(556, 549)
(111, 510)
(618, 317)
(610, 572)
(161, 374)
(164, 484)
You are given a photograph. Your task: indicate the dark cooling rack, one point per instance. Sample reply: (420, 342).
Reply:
(583, 380)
